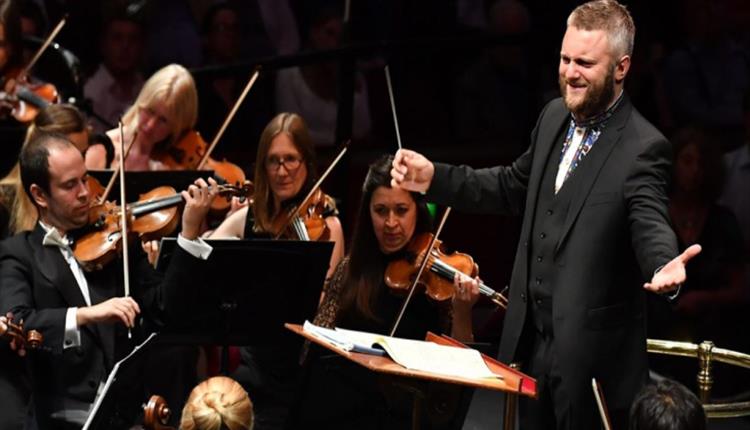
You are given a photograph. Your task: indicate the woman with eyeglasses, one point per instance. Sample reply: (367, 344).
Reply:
(284, 174)
(165, 110)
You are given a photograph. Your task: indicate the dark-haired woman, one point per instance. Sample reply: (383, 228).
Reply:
(357, 298)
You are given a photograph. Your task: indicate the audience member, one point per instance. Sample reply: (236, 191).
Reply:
(705, 80)
(714, 297)
(667, 405)
(311, 90)
(494, 98)
(117, 80)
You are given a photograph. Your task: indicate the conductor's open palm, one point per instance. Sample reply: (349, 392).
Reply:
(673, 273)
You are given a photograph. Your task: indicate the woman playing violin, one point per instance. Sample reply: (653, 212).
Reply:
(356, 297)
(284, 174)
(57, 118)
(166, 108)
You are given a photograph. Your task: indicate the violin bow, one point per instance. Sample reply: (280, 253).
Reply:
(603, 412)
(447, 211)
(229, 118)
(310, 194)
(393, 104)
(124, 218)
(116, 174)
(44, 46)
(422, 266)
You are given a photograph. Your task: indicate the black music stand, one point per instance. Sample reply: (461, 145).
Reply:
(119, 406)
(257, 286)
(140, 182)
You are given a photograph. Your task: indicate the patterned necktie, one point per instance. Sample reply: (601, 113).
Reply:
(583, 135)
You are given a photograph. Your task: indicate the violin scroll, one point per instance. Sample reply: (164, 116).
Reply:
(156, 414)
(15, 332)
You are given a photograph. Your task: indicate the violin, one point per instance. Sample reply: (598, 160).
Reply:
(307, 221)
(156, 414)
(24, 98)
(192, 152)
(189, 153)
(153, 216)
(439, 273)
(184, 153)
(14, 332)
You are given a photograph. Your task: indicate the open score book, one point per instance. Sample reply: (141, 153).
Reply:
(412, 354)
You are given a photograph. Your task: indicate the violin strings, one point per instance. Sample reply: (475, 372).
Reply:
(449, 272)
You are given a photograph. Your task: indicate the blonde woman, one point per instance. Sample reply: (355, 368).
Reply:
(218, 403)
(58, 118)
(165, 109)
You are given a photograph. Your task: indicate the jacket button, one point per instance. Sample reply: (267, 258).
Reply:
(538, 301)
(526, 244)
(549, 212)
(539, 259)
(538, 281)
(542, 235)
(523, 297)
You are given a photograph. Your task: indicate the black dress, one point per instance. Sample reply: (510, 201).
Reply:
(269, 373)
(340, 394)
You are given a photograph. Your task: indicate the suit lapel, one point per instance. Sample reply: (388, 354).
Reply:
(585, 175)
(55, 269)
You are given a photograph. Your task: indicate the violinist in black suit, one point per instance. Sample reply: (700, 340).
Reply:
(591, 189)
(82, 315)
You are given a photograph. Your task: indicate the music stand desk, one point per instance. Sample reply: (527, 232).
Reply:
(512, 380)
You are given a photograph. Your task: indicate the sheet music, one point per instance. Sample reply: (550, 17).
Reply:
(110, 380)
(412, 354)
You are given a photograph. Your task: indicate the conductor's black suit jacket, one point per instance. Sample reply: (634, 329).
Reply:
(38, 286)
(616, 234)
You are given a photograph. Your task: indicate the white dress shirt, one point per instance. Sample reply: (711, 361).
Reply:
(198, 248)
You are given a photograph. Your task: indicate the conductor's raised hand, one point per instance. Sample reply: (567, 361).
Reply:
(198, 198)
(411, 171)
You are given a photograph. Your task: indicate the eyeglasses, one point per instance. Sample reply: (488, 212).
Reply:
(290, 163)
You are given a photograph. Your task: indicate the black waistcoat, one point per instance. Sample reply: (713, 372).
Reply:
(549, 217)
